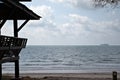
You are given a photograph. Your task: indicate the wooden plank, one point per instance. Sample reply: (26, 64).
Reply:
(9, 59)
(12, 43)
(15, 48)
(11, 48)
(4, 48)
(0, 71)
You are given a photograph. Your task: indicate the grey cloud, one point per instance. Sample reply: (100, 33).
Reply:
(86, 4)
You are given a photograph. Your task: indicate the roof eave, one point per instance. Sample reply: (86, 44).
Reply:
(23, 8)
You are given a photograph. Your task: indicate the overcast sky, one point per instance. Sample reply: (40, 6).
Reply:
(70, 22)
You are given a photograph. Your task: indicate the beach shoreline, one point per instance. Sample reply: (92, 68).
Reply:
(67, 76)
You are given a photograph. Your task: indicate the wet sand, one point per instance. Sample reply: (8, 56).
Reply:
(66, 76)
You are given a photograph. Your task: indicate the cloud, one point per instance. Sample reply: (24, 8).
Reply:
(46, 13)
(82, 29)
(60, 1)
(78, 19)
(94, 26)
(76, 29)
(75, 26)
(86, 4)
(43, 10)
(41, 30)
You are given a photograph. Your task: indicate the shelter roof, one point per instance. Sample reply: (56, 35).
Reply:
(11, 9)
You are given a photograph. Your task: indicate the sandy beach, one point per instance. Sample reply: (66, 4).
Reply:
(66, 76)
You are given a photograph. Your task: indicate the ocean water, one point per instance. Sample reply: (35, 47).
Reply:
(67, 59)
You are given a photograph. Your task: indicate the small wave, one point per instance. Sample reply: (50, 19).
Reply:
(57, 61)
(37, 61)
(107, 60)
(73, 64)
(118, 53)
(31, 64)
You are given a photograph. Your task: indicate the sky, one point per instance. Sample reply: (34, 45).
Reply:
(70, 22)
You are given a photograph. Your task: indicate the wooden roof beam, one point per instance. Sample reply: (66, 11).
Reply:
(22, 25)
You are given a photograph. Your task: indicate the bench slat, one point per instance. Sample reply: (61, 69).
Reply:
(12, 42)
(11, 46)
(9, 59)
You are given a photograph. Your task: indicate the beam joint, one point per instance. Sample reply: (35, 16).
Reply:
(2, 23)
(22, 25)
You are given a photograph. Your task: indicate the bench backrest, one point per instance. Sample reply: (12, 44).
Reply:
(12, 42)
(11, 46)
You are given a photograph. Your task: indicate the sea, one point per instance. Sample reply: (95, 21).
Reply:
(67, 59)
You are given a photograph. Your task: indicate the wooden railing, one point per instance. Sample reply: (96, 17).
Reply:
(10, 48)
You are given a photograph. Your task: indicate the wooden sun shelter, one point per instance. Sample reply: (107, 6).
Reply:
(10, 47)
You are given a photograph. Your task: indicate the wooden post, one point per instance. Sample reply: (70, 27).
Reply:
(17, 69)
(114, 75)
(15, 28)
(0, 71)
(17, 61)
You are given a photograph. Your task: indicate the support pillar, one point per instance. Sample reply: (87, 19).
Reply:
(17, 69)
(17, 61)
(114, 75)
(15, 28)
(0, 71)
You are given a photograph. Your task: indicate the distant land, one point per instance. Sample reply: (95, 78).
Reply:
(104, 44)
(79, 45)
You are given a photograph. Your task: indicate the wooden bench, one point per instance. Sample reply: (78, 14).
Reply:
(10, 48)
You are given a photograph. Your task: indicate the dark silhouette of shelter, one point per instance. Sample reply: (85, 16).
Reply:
(10, 47)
